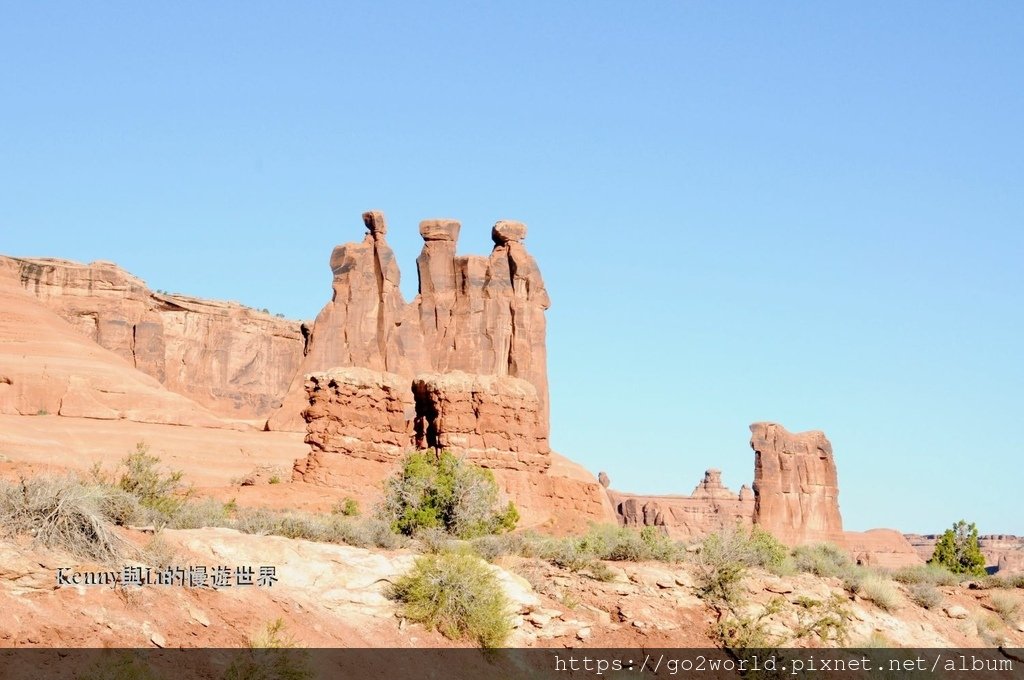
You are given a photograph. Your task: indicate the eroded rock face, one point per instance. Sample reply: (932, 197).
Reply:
(48, 367)
(495, 421)
(796, 487)
(233, 360)
(478, 315)
(361, 422)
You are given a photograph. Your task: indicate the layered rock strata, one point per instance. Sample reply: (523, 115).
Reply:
(48, 367)
(495, 421)
(360, 422)
(233, 360)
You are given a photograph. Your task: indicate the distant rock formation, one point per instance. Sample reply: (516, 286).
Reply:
(796, 487)
(711, 507)
(795, 497)
(1004, 554)
(233, 360)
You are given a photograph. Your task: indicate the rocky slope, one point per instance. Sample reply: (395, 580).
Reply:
(333, 596)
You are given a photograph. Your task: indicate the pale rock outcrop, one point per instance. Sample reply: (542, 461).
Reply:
(796, 487)
(233, 360)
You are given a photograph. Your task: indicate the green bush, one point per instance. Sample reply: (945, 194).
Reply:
(442, 491)
(160, 491)
(957, 550)
(348, 507)
(457, 594)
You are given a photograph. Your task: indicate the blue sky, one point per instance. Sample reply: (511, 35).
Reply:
(802, 212)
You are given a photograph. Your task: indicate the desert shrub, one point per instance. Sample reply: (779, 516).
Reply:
(604, 542)
(932, 574)
(767, 551)
(434, 540)
(957, 550)
(989, 629)
(457, 594)
(347, 507)
(822, 559)
(256, 521)
(442, 491)
(825, 620)
(492, 547)
(59, 512)
(160, 554)
(272, 636)
(372, 532)
(119, 665)
(853, 577)
(601, 572)
(741, 629)
(1007, 606)
(877, 640)
(925, 595)
(270, 663)
(881, 591)
(721, 564)
(208, 512)
(120, 507)
(156, 489)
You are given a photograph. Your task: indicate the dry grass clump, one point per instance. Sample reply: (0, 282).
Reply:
(60, 512)
(925, 595)
(931, 574)
(1007, 606)
(361, 532)
(880, 590)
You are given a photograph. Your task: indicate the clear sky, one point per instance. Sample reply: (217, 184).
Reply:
(811, 213)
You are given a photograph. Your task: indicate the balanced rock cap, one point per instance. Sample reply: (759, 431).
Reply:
(440, 230)
(375, 222)
(507, 230)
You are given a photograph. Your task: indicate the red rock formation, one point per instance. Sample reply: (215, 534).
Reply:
(711, 507)
(360, 424)
(796, 488)
(886, 548)
(231, 359)
(473, 314)
(495, 421)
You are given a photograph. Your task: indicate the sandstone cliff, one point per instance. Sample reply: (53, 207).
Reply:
(48, 367)
(233, 360)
